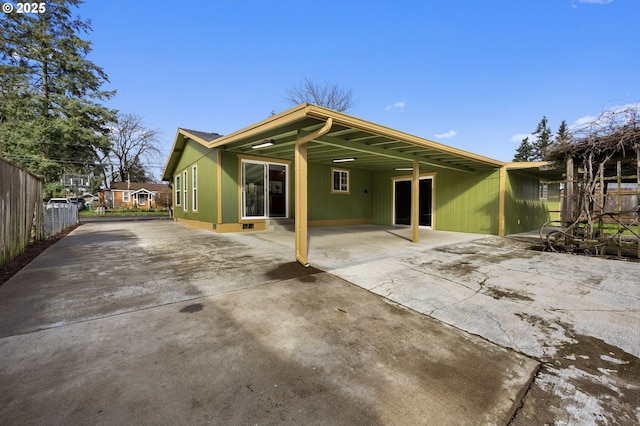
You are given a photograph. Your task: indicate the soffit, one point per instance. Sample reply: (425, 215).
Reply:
(373, 146)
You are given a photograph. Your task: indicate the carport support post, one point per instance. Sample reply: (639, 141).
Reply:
(301, 201)
(415, 203)
(301, 189)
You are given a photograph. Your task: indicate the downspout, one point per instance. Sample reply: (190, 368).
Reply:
(301, 190)
(502, 189)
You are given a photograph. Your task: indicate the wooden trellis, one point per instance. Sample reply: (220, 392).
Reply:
(600, 212)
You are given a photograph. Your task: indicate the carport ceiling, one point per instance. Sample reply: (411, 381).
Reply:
(373, 146)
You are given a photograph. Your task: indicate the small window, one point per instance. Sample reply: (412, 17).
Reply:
(126, 197)
(340, 181)
(543, 191)
(194, 188)
(178, 189)
(184, 190)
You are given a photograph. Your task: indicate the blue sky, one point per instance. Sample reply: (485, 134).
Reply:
(473, 74)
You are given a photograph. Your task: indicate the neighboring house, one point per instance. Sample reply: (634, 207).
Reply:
(76, 183)
(325, 168)
(138, 195)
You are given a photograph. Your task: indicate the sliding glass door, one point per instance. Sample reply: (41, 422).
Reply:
(264, 189)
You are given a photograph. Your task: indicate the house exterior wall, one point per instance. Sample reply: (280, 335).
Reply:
(230, 185)
(205, 161)
(463, 202)
(327, 207)
(524, 211)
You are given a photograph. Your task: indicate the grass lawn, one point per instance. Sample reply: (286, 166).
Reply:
(124, 212)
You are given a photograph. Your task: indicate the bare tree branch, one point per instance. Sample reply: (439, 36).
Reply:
(132, 145)
(328, 95)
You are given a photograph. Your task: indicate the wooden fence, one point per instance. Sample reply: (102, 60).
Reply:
(21, 211)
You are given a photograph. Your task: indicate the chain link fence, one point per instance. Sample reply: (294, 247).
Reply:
(59, 218)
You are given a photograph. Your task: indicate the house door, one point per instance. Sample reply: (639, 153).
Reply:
(264, 190)
(402, 202)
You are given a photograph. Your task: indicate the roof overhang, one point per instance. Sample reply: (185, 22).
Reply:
(374, 147)
(543, 170)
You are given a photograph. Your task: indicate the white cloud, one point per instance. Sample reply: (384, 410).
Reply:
(397, 105)
(518, 137)
(573, 3)
(449, 134)
(596, 1)
(588, 120)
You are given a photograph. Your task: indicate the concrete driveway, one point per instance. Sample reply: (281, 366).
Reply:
(579, 316)
(152, 323)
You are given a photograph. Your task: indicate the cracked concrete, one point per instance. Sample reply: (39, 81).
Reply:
(579, 316)
(152, 323)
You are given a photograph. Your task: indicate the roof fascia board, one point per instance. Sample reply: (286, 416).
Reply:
(271, 123)
(527, 165)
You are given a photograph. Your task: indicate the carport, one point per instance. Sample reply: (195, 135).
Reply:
(311, 134)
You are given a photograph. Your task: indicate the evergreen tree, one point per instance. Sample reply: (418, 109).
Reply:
(51, 118)
(524, 151)
(537, 149)
(562, 135)
(543, 140)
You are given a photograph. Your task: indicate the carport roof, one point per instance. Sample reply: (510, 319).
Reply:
(373, 146)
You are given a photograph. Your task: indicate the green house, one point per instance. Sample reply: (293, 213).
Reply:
(319, 167)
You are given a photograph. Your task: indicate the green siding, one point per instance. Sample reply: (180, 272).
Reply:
(205, 160)
(467, 202)
(523, 209)
(230, 187)
(382, 198)
(463, 202)
(325, 205)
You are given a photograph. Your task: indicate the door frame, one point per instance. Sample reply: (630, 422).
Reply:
(429, 176)
(265, 162)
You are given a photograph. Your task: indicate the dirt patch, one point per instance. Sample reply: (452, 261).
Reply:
(289, 270)
(499, 293)
(12, 267)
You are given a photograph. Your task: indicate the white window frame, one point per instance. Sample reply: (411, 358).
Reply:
(265, 164)
(543, 191)
(340, 190)
(178, 189)
(185, 202)
(194, 188)
(126, 196)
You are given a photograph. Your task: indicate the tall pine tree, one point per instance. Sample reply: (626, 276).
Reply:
(543, 139)
(51, 117)
(537, 149)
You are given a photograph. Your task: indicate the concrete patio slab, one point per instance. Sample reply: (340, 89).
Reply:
(579, 316)
(153, 323)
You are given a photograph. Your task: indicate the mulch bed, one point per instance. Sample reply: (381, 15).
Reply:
(13, 266)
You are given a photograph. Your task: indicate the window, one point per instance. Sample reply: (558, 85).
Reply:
(543, 191)
(184, 190)
(340, 181)
(194, 188)
(178, 190)
(126, 197)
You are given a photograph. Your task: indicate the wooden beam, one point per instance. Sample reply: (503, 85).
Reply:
(415, 203)
(301, 177)
(301, 202)
(390, 153)
(501, 200)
